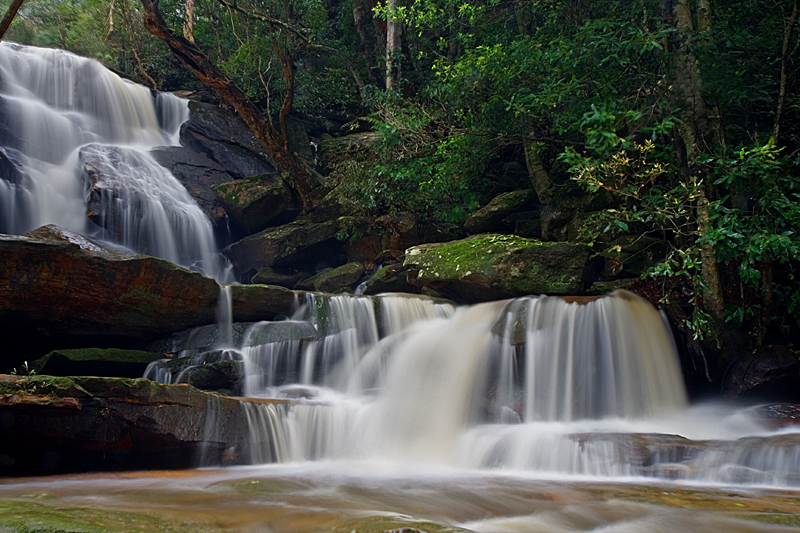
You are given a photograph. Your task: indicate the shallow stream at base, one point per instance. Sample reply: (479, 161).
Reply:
(373, 497)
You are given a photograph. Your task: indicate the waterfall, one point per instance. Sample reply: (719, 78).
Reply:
(74, 151)
(534, 384)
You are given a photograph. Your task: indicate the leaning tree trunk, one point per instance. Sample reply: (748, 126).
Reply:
(10, 14)
(303, 183)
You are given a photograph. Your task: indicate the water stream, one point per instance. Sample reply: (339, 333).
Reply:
(534, 385)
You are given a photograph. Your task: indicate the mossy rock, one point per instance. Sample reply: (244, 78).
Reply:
(257, 202)
(340, 279)
(296, 245)
(492, 267)
(110, 362)
(30, 517)
(491, 217)
(390, 278)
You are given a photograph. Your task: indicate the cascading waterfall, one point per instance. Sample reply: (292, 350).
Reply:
(532, 384)
(73, 132)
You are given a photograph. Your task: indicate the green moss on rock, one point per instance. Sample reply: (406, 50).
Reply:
(492, 266)
(28, 517)
(334, 279)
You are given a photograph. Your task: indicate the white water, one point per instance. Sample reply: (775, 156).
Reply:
(60, 113)
(531, 385)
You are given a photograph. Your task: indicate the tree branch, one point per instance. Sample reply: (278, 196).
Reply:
(209, 73)
(10, 14)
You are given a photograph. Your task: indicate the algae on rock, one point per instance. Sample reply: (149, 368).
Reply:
(492, 266)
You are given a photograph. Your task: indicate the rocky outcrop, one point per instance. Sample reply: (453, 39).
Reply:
(492, 267)
(70, 296)
(51, 232)
(300, 244)
(492, 217)
(199, 174)
(771, 374)
(257, 202)
(283, 278)
(390, 278)
(59, 290)
(226, 139)
(110, 362)
(340, 279)
(252, 303)
(198, 340)
(214, 370)
(59, 424)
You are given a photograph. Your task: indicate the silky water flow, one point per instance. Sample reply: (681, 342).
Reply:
(535, 385)
(72, 129)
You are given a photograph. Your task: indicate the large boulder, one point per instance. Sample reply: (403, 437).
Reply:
(390, 278)
(770, 374)
(75, 424)
(57, 291)
(299, 244)
(66, 295)
(253, 303)
(340, 279)
(258, 202)
(492, 267)
(225, 138)
(491, 218)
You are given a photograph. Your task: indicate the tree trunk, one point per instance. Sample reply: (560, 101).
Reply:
(391, 45)
(785, 55)
(10, 14)
(539, 177)
(366, 45)
(695, 131)
(188, 23)
(303, 183)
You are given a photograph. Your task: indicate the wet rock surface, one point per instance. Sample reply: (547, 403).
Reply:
(52, 232)
(10, 167)
(199, 174)
(58, 424)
